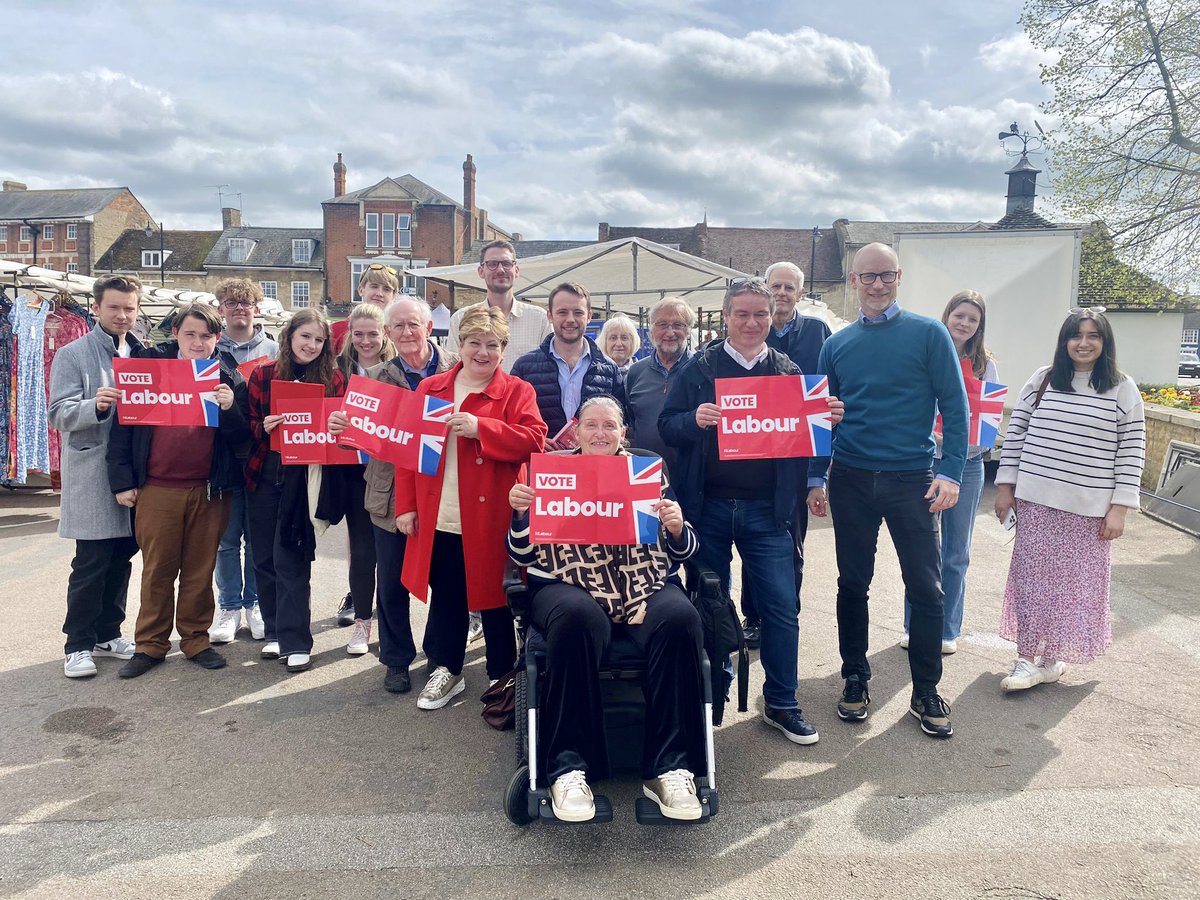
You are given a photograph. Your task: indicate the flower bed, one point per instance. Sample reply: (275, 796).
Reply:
(1172, 395)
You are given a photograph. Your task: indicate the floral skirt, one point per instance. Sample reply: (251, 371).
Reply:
(1056, 602)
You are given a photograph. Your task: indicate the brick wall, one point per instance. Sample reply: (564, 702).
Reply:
(110, 223)
(343, 238)
(1164, 425)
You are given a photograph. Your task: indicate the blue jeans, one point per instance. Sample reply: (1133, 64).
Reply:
(232, 591)
(958, 524)
(766, 550)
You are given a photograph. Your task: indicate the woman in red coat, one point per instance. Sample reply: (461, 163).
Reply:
(462, 513)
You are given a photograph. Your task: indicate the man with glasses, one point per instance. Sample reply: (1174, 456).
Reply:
(750, 503)
(528, 325)
(378, 284)
(897, 371)
(242, 341)
(648, 379)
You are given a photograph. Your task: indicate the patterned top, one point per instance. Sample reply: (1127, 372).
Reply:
(259, 390)
(33, 427)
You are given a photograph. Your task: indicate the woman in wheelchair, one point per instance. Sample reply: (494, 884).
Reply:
(578, 595)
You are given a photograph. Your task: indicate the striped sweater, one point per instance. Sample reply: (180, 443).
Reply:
(1080, 452)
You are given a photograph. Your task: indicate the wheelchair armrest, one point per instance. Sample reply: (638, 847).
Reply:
(701, 579)
(516, 592)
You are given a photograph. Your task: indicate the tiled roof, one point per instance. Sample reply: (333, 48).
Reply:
(404, 187)
(270, 247)
(526, 248)
(1022, 219)
(59, 204)
(186, 250)
(859, 234)
(1104, 280)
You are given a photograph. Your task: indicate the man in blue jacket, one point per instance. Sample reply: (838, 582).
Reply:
(568, 367)
(896, 370)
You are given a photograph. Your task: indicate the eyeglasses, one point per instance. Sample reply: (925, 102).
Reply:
(1093, 310)
(380, 267)
(238, 304)
(670, 326)
(869, 277)
(494, 264)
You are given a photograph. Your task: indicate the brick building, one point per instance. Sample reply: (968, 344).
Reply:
(67, 230)
(287, 263)
(137, 252)
(401, 222)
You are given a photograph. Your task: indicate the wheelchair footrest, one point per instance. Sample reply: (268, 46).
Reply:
(604, 810)
(647, 811)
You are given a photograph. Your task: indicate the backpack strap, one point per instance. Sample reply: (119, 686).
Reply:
(1042, 390)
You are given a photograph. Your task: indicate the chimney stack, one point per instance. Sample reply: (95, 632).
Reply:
(15, 186)
(339, 177)
(1022, 185)
(469, 197)
(231, 217)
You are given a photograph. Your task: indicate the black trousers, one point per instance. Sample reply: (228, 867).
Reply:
(577, 630)
(799, 532)
(263, 504)
(445, 641)
(860, 501)
(96, 591)
(396, 647)
(362, 549)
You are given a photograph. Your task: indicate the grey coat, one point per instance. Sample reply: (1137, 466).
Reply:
(89, 511)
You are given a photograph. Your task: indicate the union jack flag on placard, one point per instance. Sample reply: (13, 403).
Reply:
(207, 373)
(645, 476)
(433, 445)
(987, 407)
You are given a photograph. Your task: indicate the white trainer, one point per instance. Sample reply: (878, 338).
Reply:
(1051, 669)
(226, 625)
(675, 794)
(298, 662)
(254, 621)
(117, 648)
(270, 650)
(474, 628)
(79, 664)
(571, 798)
(904, 641)
(1023, 676)
(949, 647)
(440, 689)
(360, 637)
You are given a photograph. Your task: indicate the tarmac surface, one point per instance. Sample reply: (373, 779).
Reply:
(248, 782)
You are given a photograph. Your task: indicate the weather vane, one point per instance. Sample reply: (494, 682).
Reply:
(1037, 141)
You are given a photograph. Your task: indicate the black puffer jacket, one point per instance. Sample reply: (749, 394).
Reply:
(539, 369)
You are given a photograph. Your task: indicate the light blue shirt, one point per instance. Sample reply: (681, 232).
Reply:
(570, 382)
(890, 313)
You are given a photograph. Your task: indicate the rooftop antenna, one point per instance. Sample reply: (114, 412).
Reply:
(1038, 142)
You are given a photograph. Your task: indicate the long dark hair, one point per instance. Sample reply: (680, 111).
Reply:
(974, 349)
(1105, 374)
(320, 370)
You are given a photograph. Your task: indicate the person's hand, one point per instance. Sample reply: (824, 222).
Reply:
(106, 397)
(338, 422)
(463, 424)
(818, 502)
(520, 498)
(670, 515)
(224, 396)
(943, 493)
(271, 422)
(1114, 523)
(1005, 498)
(127, 498)
(407, 523)
(708, 415)
(837, 410)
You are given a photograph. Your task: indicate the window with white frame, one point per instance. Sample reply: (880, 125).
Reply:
(3, 234)
(72, 231)
(239, 249)
(301, 252)
(356, 270)
(270, 289)
(388, 231)
(372, 230)
(404, 232)
(1191, 336)
(151, 259)
(73, 268)
(47, 232)
(411, 284)
(26, 234)
(299, 294)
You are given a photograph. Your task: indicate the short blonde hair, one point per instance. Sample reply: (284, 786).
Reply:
(381, 275)
(486, 320)
(620, 322)
(348, 358)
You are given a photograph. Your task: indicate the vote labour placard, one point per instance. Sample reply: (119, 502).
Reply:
(304, 437)
(774, 417)
(167, 391)
(391, 424)
(248, 367)
(284, 391)
(581, 499)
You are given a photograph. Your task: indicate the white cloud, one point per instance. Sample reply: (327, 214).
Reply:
(1014, 53)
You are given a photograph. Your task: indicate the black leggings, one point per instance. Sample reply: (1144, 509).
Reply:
(362, 549)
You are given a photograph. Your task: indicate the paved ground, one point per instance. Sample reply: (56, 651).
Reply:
(249, 783)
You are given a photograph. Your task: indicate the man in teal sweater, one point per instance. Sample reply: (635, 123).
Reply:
(896, 371)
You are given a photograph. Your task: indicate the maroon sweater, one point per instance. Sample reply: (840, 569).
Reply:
(180, 457)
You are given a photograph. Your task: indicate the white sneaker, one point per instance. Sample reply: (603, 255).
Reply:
(1023, 676)
(79, 664)
(474, 628)
(298, 662)
(571, 798)
(271, 650)
(226, 625)
(949, 647)
(675, 794)
(441, 688)
(117, 648)
(360, 637)
(1052, 670)
(904, 641)
(254, 621)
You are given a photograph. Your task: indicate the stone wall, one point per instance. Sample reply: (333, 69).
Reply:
(1164, 425)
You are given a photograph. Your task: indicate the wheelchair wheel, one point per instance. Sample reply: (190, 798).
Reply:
(516, 804)
(521, 713)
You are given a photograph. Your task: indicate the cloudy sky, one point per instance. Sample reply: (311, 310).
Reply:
(761, 113)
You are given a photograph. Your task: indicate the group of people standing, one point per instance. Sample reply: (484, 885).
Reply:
(525, 380)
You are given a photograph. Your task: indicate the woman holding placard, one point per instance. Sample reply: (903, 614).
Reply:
(455, 521)
(282, 535)
(578, 593)
(964, 317)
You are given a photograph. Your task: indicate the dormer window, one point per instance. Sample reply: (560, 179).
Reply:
(301, 252)
(239, 249)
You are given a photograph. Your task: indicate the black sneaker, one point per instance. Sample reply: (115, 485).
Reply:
(753, 633)
(397, 680)
(934, 714)
(208, 658)
(139, 664)
(345, 613)
(855, 700)
(792, 723)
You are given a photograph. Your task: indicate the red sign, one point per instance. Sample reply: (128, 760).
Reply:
(774, 417)
(167, 391)
(251, 364)
(581, 499)
(304, 436)
(283, 391)
(401, 427)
